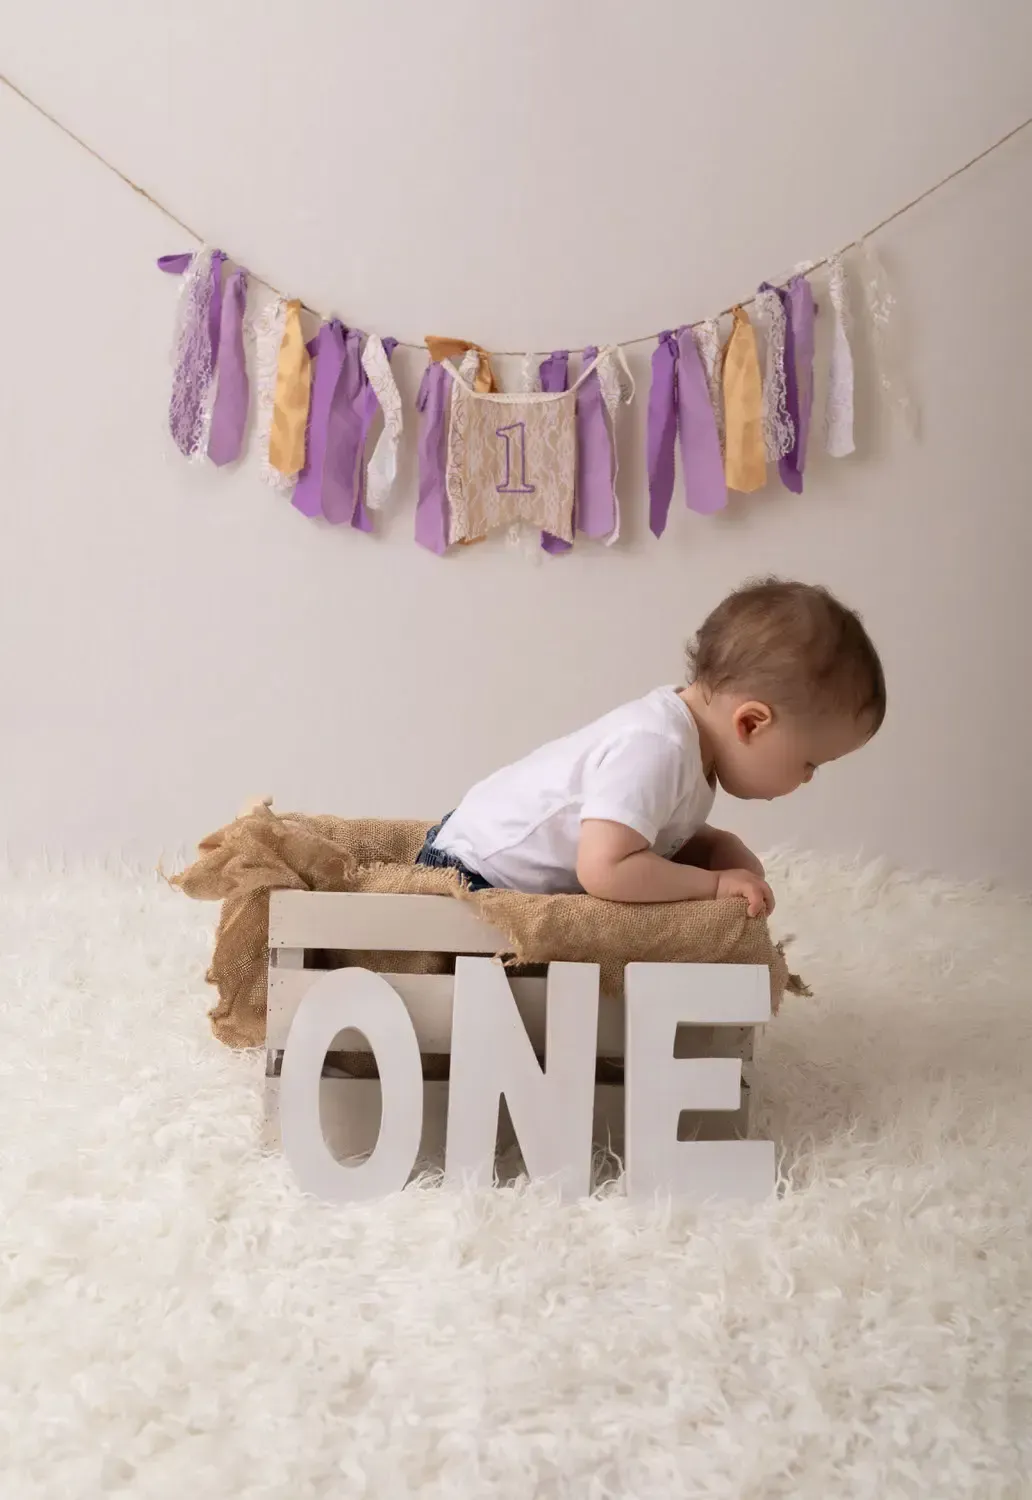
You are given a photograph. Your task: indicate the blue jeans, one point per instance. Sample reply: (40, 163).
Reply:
(438, 859)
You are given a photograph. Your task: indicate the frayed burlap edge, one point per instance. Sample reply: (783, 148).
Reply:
(262, 851)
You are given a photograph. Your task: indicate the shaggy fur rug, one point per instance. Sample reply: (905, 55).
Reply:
(176, 1320)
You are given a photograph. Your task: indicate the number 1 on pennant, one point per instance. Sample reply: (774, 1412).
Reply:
(506, 487)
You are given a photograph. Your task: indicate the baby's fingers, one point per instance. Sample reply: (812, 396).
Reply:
(760, 898)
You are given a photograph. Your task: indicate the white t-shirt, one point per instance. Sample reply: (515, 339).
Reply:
(639, 765)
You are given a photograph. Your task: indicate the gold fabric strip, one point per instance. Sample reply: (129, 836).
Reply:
(745, 458)
(293, 390)
(444, 348)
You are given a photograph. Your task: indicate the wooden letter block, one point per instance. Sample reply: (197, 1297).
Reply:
(492, 1057)
(660, 997)
(358, 999)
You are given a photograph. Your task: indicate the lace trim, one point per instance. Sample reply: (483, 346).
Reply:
(207, 414)
(617, 386)
(880, 300)
(469, 366)
(838, 413)
(383, 465)
(190, 403)
(707, 340)
(778, 429)
(467, 371)
(267, 330)
(456, 460)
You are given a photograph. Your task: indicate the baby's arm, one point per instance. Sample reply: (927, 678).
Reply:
(616, 864)
(716, 849)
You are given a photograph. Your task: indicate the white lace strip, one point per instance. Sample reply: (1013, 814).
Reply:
(191, 350)
(838, 413)
(617, 386)
(383, 465)
(530, 373)
(268, 335)
(469, 366)
(778, 429)
(890, 372)
(707, 338)
(207, 412)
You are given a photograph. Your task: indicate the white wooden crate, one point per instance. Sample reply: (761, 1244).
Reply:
(303, 921)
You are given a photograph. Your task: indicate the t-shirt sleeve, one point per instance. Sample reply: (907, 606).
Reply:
(635, 781)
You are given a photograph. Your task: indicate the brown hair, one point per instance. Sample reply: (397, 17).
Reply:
(793, 645)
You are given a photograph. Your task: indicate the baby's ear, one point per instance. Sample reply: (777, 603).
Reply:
(750, 719)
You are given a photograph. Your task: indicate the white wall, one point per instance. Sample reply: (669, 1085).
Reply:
(531, 174)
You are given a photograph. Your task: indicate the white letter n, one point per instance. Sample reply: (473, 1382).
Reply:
(492, 1055)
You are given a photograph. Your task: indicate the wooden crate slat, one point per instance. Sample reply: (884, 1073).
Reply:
(428, 1000)
(405, 924)
(748, 986)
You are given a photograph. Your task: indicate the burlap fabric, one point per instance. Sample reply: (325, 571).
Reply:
(241, 863)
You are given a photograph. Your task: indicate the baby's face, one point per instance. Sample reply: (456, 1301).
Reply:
(766, 754)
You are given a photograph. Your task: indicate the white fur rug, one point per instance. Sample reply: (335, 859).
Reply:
(178, 1321)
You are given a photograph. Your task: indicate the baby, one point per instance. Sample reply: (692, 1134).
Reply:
(783, 679)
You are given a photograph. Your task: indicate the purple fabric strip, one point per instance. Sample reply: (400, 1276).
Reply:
(662, 431)
(229, 414)
(432, 505)
(800, 312)
(596, 499)
(800, 315)
(218, 260)
(343, 434)
(370, 405)
(554, 371)
(175, 265)
(702, 463)
(328, 353)
(554, 374)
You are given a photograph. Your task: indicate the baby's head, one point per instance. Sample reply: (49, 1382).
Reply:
(784, 679)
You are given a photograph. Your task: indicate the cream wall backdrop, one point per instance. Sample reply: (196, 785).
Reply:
(529, 175)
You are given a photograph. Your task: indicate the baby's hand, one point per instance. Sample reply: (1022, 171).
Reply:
(744, 883)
